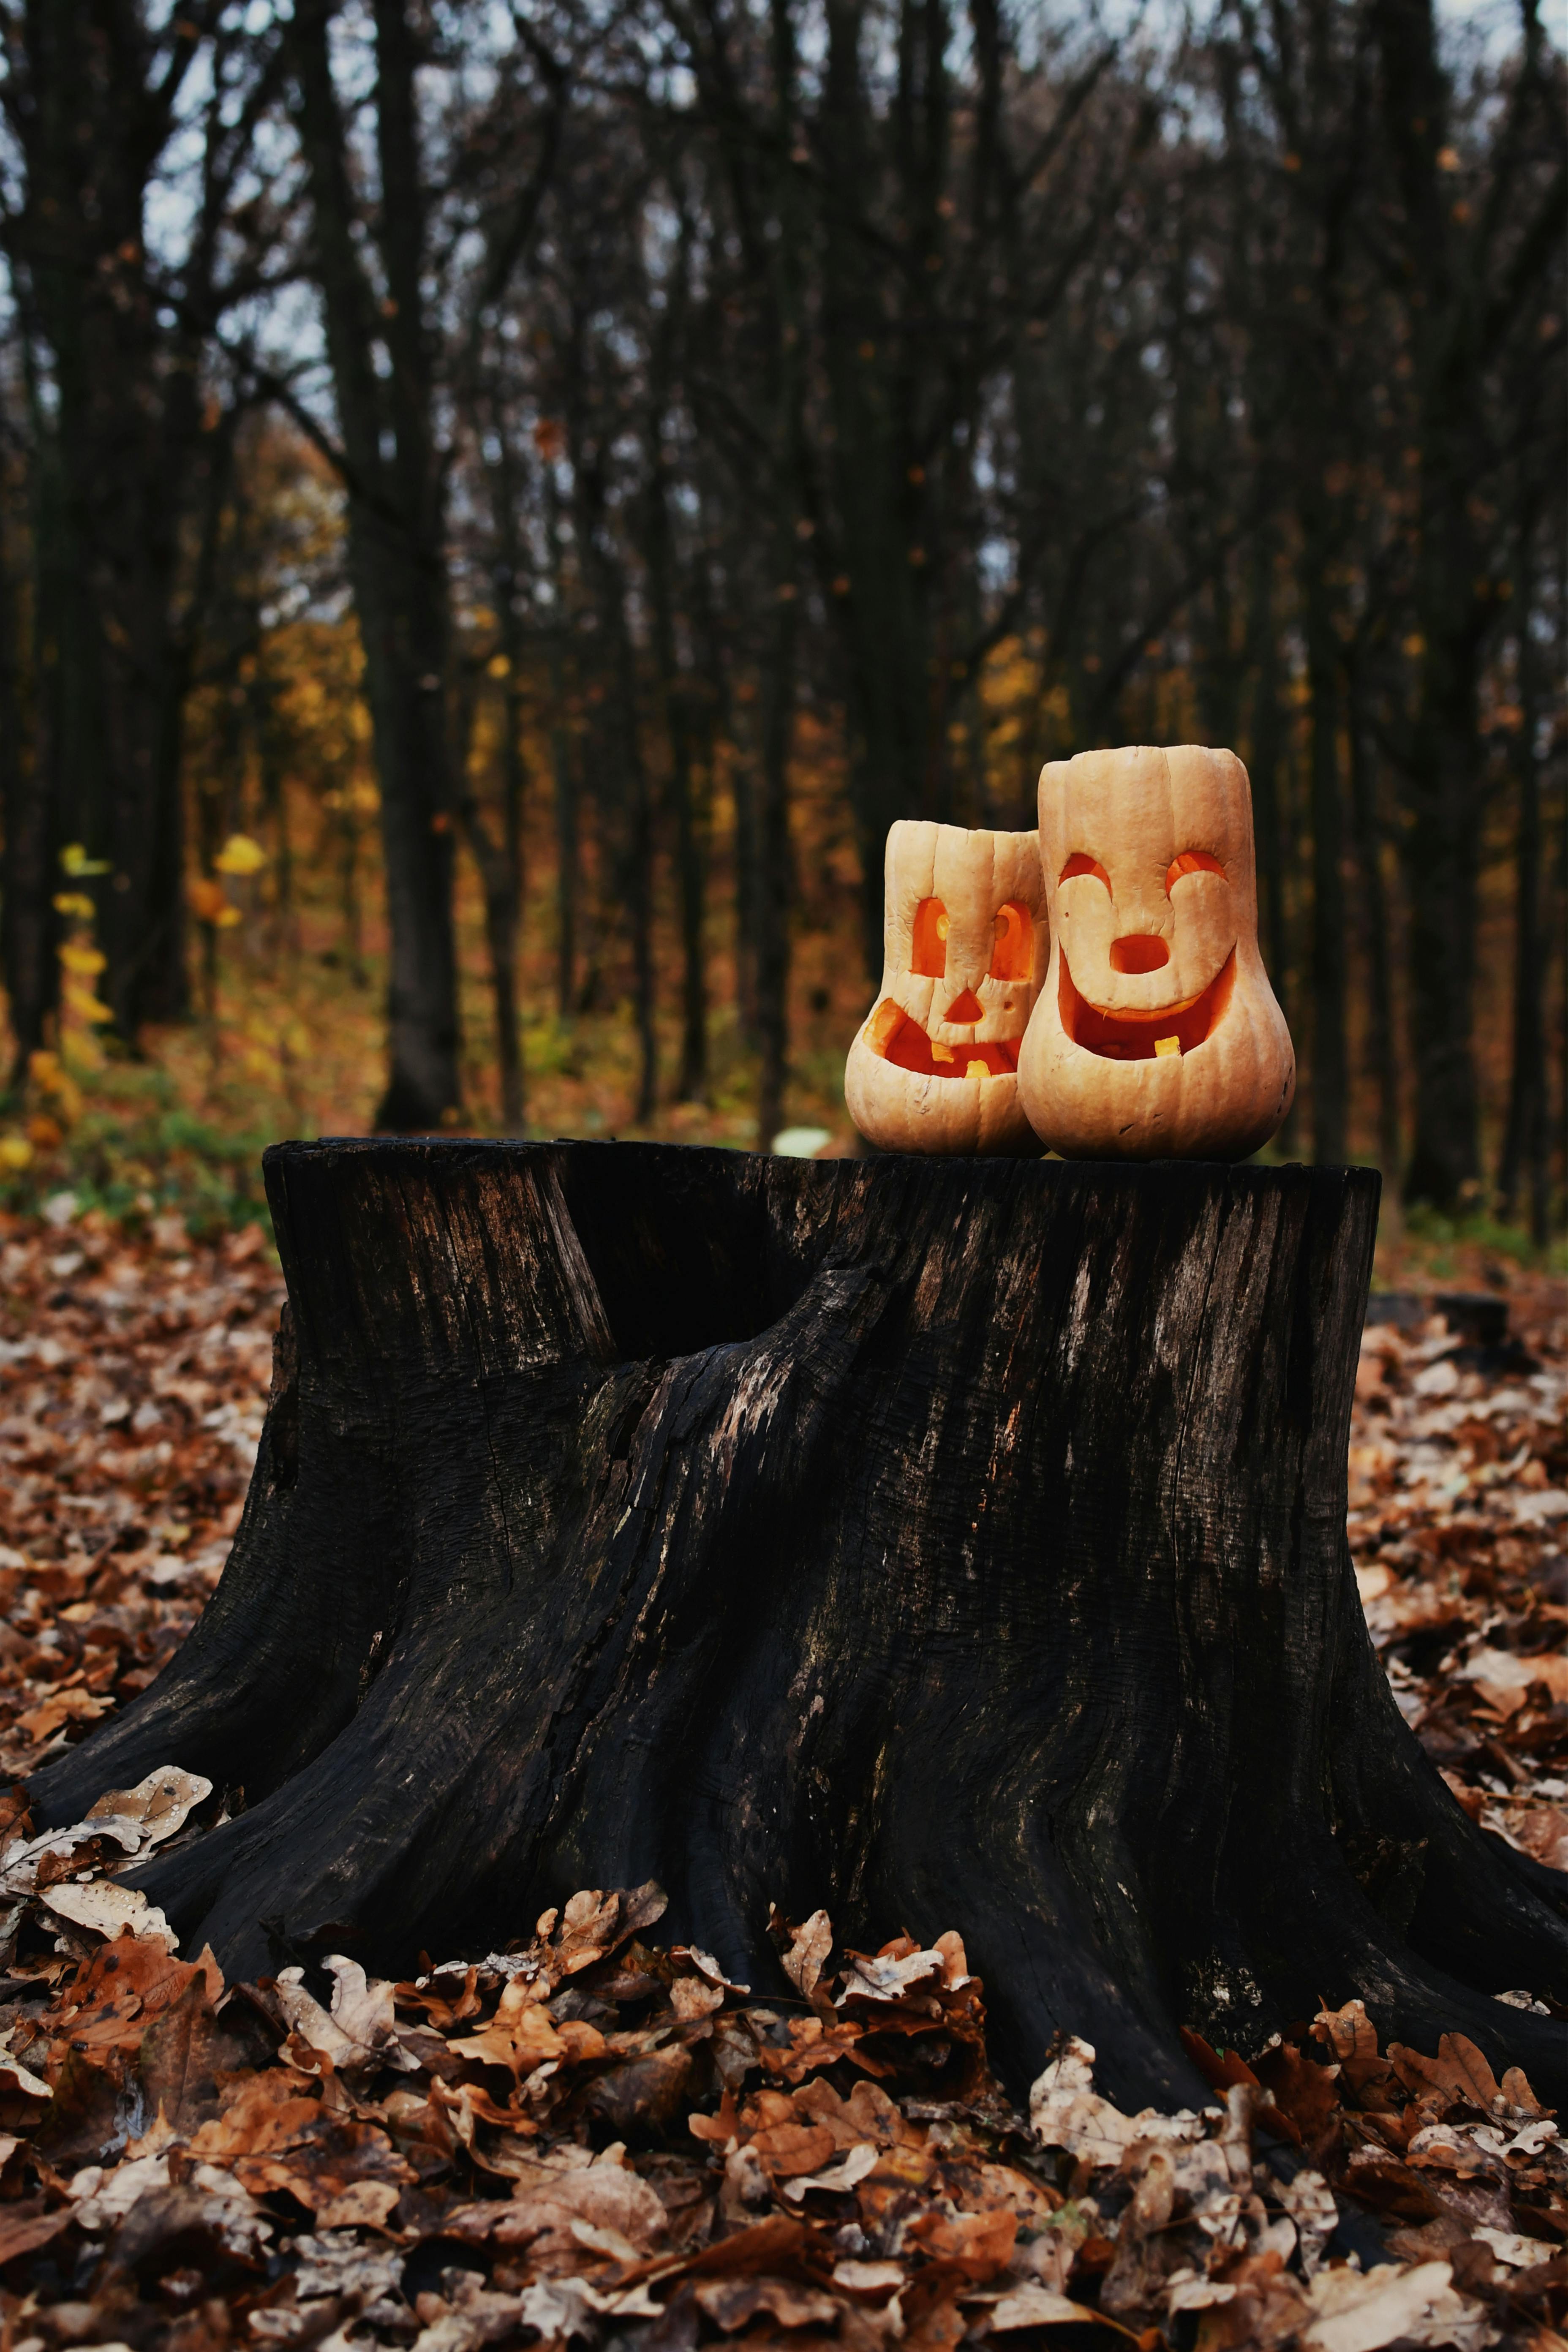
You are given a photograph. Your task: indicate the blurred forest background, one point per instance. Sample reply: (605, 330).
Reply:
(502, 506)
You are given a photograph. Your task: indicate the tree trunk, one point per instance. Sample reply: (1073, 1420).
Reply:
(1381, 1049)
(1443, 757)
(397, 529)
(774, 876)
(27, 867)
(506, 573)
(270, 761)
(674, 693)
(120, 427)
(1329, 1078)
(957, 1540)
(498, 887)
(637, 869)
(748, 884)
(1264, 763)
(1525, 1161)
(622, 785)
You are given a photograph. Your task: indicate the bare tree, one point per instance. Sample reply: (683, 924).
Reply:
(127, 432)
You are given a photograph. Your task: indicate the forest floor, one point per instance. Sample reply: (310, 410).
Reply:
(589, 2138)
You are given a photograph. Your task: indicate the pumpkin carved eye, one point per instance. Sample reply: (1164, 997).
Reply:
(1079, 863)
(1012, 957)
(928, 955)
(1191, 861)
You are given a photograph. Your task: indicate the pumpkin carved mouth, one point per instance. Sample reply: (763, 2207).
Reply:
(1144, 1037)
(899, 1039)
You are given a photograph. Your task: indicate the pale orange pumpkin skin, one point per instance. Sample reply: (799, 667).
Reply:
(1148, 852)
(989, 890)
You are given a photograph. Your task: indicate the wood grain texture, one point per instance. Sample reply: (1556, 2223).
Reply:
(952, 1543)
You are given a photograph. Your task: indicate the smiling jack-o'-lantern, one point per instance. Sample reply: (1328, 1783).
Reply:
(1156, 1036)
(935, 1066)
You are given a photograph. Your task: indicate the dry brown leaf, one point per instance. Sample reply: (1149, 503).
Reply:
(788, 2149)
(29, 2224)
(730, 2303)
(981, 2245)
(1459, 2071)
(1351, 2035)
(809, 1946)
(1390, 2304)
(1037, 2307)
(106, 1908)
(518, 2037)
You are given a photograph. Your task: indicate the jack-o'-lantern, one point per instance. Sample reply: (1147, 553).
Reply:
(1156, 1036)
(935, 1066)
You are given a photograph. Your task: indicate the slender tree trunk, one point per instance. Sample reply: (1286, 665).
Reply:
(748, 883)
(690, 875)
(621, 779)
(641, 897)
(1441, 850)
(396, 538)
(28, 869)
(275, 803)
(1382, 1053)
(495, 873)
(692, 864)
(514, 785)
(69, 758)
(634, 852)
(564, 768)
(631, 851)
(348, 893)
(121, 431)
(1265, 749)
(564, 779)
(1329, 1081)
(505, 925)
(775, 874)
(1524, 1163)
(500, 950)
(882, 618)
(1441, 837)
(775, 877)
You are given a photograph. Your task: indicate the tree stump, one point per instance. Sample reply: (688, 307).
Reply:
(951, 1543)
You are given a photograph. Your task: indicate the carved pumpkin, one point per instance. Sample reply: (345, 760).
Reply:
(934, 1066)
(1156, 1036)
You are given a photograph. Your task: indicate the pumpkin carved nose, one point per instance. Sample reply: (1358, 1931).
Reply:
(967, 1007)
(1138, 952)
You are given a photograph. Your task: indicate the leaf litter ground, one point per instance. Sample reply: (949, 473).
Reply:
(592, 2138)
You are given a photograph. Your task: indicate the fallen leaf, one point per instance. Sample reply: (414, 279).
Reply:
(730, 2303)
(71, 1706)
(856, 2166)
(792, 2149)
(29, 2224)
(1037, 2307)
(106, 1908)
(154, 1809)
(809, 1946)
(1459, 2071)
(1390, 2304)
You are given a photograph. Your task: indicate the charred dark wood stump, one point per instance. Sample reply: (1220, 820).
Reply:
(949, 1543)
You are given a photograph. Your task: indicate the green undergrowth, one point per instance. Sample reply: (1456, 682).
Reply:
(145, 1156)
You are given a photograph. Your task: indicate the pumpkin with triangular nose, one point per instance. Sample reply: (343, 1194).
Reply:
(1156, 1036)
(934, 1064)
